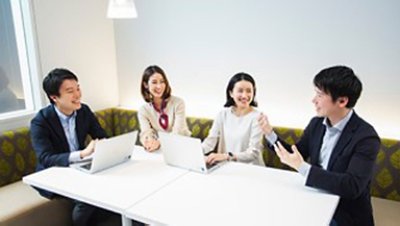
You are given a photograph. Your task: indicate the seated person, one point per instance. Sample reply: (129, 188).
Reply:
(162, 111)
(58, 134)
(235, 129)
(341, 147)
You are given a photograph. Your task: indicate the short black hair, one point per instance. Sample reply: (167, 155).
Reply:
(339, 81)
(54, 79)
(237, 78)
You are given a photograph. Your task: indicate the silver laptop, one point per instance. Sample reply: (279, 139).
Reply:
(109, 152)
(184, 152)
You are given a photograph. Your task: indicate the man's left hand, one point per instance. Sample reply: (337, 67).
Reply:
(293, 160)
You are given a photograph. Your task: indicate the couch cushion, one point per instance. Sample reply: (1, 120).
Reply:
(386, 212)
(105, 118)
(199, 126)
(386, 181)
(17, 157)
(125, 121)
(22, 205)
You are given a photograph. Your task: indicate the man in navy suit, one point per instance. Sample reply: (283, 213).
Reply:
(59, 131)
(340, 146)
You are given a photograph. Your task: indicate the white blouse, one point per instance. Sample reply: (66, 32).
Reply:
(240, 135)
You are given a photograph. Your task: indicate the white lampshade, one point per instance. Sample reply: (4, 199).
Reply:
(120, 9)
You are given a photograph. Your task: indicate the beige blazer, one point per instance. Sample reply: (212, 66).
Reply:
(148, 119)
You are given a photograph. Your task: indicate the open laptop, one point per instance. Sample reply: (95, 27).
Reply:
(184, 152)
(109, 152)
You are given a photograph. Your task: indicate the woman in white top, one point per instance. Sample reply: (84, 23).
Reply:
(162, 112)
(236, 129)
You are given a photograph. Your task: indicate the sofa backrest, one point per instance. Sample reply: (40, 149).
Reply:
(17, 157)
(106, 120)
(125, 121)
(199, 126)
(386, 181)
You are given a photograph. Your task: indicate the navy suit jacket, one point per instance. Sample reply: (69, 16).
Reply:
(49, 140)
(350, 167)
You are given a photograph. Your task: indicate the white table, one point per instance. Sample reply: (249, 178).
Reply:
(237, 194)
(147, 190)
(114, 189)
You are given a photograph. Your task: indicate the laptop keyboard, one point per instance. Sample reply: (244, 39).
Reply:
(209, 166)
(87, 166)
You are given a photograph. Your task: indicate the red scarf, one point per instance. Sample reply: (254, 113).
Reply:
(163, 120)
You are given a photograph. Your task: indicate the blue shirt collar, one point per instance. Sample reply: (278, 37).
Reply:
(341, 124)
(62, 116)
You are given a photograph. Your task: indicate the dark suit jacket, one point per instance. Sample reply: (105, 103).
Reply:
(49, 140)
(349, 169)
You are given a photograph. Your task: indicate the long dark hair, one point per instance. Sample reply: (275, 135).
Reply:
(148, 72)
(237, 78)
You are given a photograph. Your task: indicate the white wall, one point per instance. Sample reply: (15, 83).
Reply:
(283, 44)
(76, 34)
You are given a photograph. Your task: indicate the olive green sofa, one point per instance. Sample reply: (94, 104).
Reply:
(22, 205)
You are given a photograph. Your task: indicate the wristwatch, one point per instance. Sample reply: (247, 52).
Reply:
(230, 156)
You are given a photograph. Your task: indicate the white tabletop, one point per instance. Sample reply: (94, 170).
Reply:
(148, 190)
(114, 189)
(237, 194)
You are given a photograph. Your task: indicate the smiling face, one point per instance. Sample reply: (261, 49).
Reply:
(324, 105)
(156, 85)
(242, 94)
(69, 99)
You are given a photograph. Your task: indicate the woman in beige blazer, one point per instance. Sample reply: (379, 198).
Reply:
(162, 111)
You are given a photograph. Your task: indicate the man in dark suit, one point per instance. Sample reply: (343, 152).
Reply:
(340, 146)
(59, 131)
